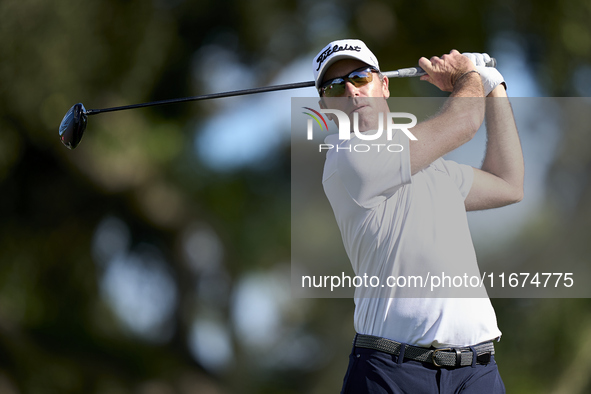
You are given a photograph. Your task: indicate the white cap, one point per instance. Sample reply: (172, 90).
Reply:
(338, 50)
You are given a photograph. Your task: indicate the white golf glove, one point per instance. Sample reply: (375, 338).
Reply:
(491, 77)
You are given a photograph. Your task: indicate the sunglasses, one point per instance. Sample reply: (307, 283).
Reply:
(336, 87)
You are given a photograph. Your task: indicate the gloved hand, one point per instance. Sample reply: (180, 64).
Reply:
(491, 77)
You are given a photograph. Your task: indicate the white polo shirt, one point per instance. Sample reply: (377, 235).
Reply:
(397, 225)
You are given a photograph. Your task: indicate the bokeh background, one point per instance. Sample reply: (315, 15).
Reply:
(155, 258)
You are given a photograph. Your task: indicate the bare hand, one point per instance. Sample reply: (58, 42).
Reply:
(444, 71)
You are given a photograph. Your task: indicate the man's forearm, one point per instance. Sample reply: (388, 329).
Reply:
(504, 157)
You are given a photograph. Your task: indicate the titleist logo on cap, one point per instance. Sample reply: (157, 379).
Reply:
(329, 51)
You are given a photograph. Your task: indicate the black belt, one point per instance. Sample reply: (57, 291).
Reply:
(441, 357)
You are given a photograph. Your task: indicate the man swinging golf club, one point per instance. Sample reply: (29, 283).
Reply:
(403, 211)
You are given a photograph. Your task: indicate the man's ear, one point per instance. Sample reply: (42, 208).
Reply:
(386, 87)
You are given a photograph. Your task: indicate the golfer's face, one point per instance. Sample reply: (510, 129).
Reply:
(355, 98)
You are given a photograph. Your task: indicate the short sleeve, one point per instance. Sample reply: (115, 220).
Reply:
(374, 170)
(461, 174)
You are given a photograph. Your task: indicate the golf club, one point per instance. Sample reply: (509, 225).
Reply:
(74, 122)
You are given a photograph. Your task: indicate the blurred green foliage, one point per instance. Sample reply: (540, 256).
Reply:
(58, 333)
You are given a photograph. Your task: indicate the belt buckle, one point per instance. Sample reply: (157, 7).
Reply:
(445, 349)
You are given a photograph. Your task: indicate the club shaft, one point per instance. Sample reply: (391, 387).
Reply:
(401, 73)
(234, 93)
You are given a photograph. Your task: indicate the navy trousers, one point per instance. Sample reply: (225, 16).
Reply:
(372, 371)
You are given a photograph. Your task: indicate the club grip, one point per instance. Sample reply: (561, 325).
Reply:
(417, 71)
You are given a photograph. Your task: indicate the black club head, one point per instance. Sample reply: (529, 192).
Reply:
(73, 126)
